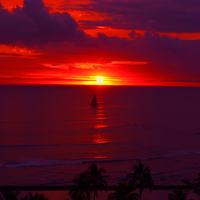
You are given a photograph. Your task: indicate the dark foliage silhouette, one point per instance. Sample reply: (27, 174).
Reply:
(81, 190)
(194, 186)
(142, 176)
(178, 194)
(8, 194)
(123, 192)
(96, 179)
(36, 196)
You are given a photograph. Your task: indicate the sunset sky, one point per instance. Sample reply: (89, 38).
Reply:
(126, 42)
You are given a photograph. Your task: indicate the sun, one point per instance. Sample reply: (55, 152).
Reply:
(99, 80)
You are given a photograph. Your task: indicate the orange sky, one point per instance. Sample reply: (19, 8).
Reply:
(124, 42)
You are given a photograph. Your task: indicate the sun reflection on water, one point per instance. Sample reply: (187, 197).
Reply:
(101, 117)
(99, 157)
(101, 125)
(100, 121)
(101, 139)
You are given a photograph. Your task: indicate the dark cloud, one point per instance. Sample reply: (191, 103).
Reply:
(34, 5)
(164, 43)
(133, 34)
(34, 24)
(180, 16)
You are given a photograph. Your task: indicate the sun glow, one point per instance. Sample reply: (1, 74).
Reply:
(99, 80)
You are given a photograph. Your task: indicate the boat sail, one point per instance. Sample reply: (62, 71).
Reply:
(94, 101)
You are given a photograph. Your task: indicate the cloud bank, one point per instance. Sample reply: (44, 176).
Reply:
(33, 24)
(59, 43)
(179, 16)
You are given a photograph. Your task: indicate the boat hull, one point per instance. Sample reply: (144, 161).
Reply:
(94, 104)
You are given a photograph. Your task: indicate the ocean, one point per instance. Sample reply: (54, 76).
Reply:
(49, 134)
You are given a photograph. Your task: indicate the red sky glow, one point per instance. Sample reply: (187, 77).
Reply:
(134, 42)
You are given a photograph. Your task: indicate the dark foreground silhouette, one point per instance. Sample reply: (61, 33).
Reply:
(89, 182)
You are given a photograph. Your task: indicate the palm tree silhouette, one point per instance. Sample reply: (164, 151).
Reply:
(37, 196)
(81, 190)
(95, 179)
(178, 194)
(123, 192)
(8, 194)
(195, 186)
(142, 176)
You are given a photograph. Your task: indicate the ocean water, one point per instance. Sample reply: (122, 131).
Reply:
(49, 134)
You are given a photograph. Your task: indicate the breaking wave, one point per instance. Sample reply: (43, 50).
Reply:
(41, 162)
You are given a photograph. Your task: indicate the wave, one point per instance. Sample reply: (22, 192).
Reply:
(53, 145)
(39, 163)
(42, 163)
(30, 146)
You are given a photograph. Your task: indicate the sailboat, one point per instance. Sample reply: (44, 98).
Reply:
(94, 101)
